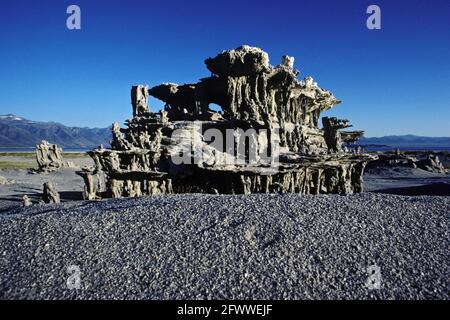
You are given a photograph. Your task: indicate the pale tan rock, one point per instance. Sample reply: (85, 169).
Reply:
(26, 202)
(158, 153)
(139, 100)
(49, 157)
(3, 180)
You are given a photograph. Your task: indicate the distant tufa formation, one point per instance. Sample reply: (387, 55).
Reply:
(265, 139)
(49, 157)
(429, 162)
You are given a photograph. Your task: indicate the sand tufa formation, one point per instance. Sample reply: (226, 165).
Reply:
(266, 137)
(49, 157)
(50, 194)
(429, 162)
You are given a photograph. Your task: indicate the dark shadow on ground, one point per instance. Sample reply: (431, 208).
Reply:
(71, 195)
(12, 199)
(64, 195)
(434, 189)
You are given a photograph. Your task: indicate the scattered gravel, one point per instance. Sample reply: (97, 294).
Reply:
(228, 247)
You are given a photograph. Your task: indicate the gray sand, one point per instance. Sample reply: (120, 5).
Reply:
(233, 247)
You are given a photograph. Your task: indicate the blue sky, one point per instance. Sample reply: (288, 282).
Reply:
(392, 81)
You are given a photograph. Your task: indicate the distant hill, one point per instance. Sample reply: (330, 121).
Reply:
(18, 132)
(406, 141)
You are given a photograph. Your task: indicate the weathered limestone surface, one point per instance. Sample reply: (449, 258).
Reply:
(430, 162)
(26, 202)
(287, 151)
(50, 195)
(49, 157)
(3, 180)
(139, 100)
(93, 183)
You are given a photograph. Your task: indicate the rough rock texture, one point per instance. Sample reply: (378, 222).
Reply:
(50, 195)
(139, 100)
(3, 180)
(265, 139)
(243, 61)
(49, 157)
(93, 183)
(229, 247)
(430, 162)
(26, 202)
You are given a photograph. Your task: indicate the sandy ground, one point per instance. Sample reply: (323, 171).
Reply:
(284, 246)
(406, 181)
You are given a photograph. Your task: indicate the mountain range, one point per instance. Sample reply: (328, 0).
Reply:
(18, 132)
(405, 141)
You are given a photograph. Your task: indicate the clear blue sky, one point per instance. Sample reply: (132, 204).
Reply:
(392, 81)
